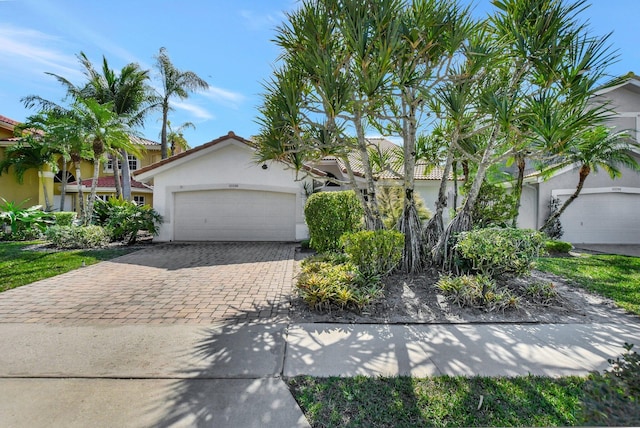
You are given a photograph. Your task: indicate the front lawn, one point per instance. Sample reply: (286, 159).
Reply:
(20, 266)
(616, 277)
(438, 401)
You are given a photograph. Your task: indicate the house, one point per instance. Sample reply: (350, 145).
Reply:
(607, 210)
(217, 192)
(32, 189)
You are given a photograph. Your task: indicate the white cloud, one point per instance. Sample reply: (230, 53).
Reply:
(195, 110)
(31, 51)
(223, 96)
(256, 21)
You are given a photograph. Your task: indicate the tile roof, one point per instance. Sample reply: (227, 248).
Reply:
(393, 153)
(8, 121)
(108, 181)
(145, 142)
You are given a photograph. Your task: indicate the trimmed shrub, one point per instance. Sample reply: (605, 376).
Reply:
(329, 215)
(495, 206)
(125, 219)
(78, 236)
(613, 397)
(497, 251)
(375, 253)
(64, 218)
(324, 285)
(561, 247)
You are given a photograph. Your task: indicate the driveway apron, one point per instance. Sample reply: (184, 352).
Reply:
(187, 283)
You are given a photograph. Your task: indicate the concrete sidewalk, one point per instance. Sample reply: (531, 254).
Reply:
(231, 375)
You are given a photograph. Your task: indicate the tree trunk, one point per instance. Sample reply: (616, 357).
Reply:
(47, 203)
(76, 162)
(410, 224)
(92, 196)
(126, 176)
(63, 185)
(116, 175)
(374, 222)
(585, 170)
(454, 169)
(520, 159)
(163, 132)
(435, 227)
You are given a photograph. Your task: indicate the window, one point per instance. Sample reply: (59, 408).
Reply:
(133, 163)
(139, 200)
(104, 198)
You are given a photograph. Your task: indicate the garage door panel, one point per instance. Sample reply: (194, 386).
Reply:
(234, 215)
(602, 218)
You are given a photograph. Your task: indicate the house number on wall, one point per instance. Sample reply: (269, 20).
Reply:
(233, 185)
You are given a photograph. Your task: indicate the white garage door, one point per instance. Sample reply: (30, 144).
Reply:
(234, 215)
(602, 218)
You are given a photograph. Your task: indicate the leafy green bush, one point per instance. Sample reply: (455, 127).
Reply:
(374, 252)
(24, 223)
(613, 397)
(329, 215)
(323, 285)
(78, 236)
(553, 246)
(477, 291)
(125, 219)
(64, 218)
(495, 206)
(496, 251)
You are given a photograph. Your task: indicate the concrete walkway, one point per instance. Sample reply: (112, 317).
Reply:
(143, 364)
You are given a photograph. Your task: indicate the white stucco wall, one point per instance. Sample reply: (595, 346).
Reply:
(228, 164)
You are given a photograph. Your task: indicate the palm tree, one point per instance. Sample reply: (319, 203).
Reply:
(128, 93)
(597, 147)
(175, 83)
(176, 137)
(30, 153)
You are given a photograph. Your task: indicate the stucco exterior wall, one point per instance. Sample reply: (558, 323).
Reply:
(229, 164)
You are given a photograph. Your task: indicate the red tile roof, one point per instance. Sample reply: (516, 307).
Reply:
(8, 121)
(108, 181)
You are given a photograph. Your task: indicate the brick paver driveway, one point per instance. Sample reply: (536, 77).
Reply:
(170, 283)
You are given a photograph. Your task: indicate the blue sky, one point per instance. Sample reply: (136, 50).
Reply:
(228, 43)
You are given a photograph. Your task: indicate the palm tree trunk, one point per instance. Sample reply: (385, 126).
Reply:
(520, 159)
(126, 176)
(47, 203)
(115, 161)
(585, 170)
(63, 185)
(80, 193)
(163, 132)
(92, 196)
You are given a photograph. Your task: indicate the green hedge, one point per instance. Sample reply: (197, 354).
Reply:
(329, 215)
(78, 236)
(553, 246)
(496, 251)
(64, 218)
(374, 252)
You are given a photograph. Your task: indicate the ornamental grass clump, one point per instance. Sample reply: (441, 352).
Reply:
(477, 291)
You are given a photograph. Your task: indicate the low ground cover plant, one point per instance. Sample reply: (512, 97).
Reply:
(557, 247)
(68, 237)
(477, 291)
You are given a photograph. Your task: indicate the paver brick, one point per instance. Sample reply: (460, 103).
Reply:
(199, 283)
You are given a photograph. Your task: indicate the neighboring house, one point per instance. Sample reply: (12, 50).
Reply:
(427, 178)
(606, 211)
(217, 192)
(32, 191)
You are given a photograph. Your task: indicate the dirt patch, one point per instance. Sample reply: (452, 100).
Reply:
(415, 300)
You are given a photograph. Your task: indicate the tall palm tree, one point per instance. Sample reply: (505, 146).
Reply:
(129, 94)
(596, 148)
(175, 83)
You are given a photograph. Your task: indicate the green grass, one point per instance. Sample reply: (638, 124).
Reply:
(438, 401)
(616, 277)
(20, 267)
